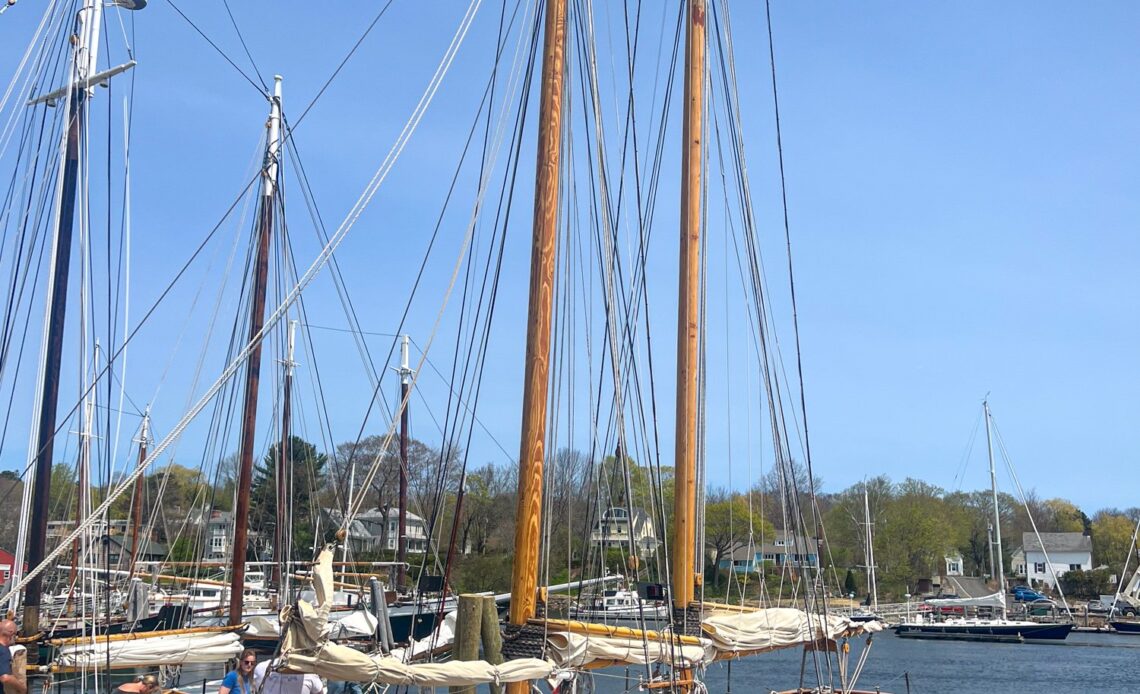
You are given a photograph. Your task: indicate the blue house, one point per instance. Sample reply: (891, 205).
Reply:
(782, 550)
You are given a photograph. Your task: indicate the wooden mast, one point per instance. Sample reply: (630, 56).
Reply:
(524, 578)
(685, 575)
(402, 524)
(253, 365)
(86, 50)
(136, 504)
(282, 531)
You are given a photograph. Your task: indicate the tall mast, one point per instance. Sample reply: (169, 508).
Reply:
(402, 524)
(997, 516)
(870, 553)
(81, 82)
(136, 505)
(685, 574)
(253, 366)
(528, 516)
(282, 534)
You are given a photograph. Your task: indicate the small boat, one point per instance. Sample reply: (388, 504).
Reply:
(982, 629)
(620, 604)
(1125, 626)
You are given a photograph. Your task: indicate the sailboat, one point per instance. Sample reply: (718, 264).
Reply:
(869, 557)
(538, 647)
(995, 628)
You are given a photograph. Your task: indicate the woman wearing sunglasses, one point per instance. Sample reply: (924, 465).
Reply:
(240, 681)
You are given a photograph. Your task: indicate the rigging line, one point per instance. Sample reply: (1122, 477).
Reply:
(165, 292)
(217, 48)
(788, 239)
(321, 91)
(378, 179)
(49, 11)
(241, 39)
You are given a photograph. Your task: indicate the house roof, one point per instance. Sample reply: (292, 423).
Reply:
(1057, 542)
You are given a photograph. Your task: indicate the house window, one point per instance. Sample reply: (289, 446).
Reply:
(1074, 567)
(1038, 567)
(218, 542)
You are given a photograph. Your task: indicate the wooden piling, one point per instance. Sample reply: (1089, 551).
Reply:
(468, 621)
(491, 637)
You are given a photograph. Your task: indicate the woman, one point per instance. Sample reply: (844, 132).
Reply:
(240, 681)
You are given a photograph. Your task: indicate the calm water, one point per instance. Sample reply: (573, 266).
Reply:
(1082, 663)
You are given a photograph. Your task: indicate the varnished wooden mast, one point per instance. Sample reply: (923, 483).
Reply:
(253, 365)
(685, 575)
(524, 580)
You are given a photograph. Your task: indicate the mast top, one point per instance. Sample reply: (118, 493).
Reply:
(405, 370)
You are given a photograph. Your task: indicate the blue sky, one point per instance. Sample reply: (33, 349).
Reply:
(961, 188)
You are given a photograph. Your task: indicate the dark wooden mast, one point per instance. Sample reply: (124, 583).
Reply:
(49, 398)
(253, 365)
(402, 524)
(83, 77)
(528, 524)
(137, 502)
(685, 574)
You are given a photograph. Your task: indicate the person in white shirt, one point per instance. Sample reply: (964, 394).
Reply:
(282, 683)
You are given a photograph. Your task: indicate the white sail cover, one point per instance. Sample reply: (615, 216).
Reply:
(575, 650)
(152, 651)
(991, 600)
(306, 648)
(778, 627)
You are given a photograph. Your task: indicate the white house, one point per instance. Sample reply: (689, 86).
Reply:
(1067, 552)
(954, 564)
(218, 540)
(1017, 563)
(618, 526)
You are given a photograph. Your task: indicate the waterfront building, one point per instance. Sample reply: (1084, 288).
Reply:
(1066, 552)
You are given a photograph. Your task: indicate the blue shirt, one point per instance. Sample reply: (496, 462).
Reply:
(5, 660)
(233, 679)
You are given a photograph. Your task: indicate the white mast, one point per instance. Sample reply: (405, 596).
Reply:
(870, 552)
(1000, 564)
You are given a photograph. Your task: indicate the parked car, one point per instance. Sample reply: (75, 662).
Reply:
(1021, 594)
(1097, 607)
(1040, 608)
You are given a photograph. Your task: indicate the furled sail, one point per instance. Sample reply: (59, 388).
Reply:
(778, 627)
(991, 600)
(306, 648)
(172, 648)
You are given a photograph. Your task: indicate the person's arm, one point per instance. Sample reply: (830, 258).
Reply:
(229, 682)
(19, 686)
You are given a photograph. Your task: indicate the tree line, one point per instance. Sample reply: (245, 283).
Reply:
(915, 525)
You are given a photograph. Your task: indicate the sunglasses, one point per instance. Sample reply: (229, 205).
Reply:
(248, 662)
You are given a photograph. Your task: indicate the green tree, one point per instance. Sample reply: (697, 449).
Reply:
(1063, 517)
(1111, 538)
(307, 478)
(913, 536)
(849, 586)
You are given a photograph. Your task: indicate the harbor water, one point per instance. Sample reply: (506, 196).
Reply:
(1085, 662)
